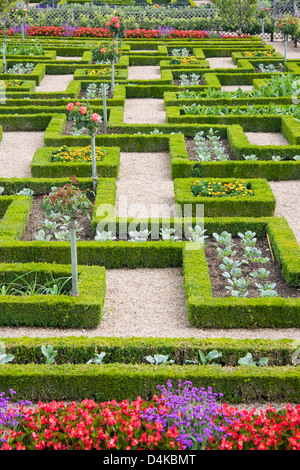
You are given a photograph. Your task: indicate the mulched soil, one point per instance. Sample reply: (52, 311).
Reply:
(69, 129)
(82, 95)
(190, 144)
(177, 82)
(38, 216)
(218, 281)
(281, 69)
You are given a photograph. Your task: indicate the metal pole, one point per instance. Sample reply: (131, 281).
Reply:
(112, 86)
(75, 292)
(285, 47)
(4, 52)
(94, 166)
(262, 31)
(104, 107)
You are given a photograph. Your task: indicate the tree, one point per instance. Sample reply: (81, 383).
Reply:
(238, 11)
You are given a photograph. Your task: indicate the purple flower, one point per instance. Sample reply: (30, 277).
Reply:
(10, 415)
(195, 412)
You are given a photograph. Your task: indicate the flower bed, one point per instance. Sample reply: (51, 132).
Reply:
(261, 202)
(163, 423)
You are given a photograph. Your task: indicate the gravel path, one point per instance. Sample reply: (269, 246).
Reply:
(287, 194)
(144, 72)
(236, 87)
(144, 111)
(16, 152)
(266, 138)
(292, 52)
(148, 303)
(54, 83)
(144, 184)
(220, 62)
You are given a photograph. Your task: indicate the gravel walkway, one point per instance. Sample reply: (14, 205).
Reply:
(144, 184)
(54, 83)
(287, 194)
(148, 303)
(266, 138)
(220, 62)
(144, 111)
(144, 72)
(16, 152)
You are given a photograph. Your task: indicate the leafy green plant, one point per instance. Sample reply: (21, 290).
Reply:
(158, 359)
(98, 358)
(49, 354)
(248, 361)
(210, 358)
(5, 358)
(104, 236)
(139, 236)
(21, 68)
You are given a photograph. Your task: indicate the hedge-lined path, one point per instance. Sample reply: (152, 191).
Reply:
(144, 180)
(144, 110)
(148, 303)
(54, 83)
(144, 72)
(266, 138)
(292, 51)
(287, 194)
(16, 152)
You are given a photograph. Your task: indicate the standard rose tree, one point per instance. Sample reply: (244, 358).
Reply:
(112, 54)
(85, 118)
(116, 26)
(71, 201)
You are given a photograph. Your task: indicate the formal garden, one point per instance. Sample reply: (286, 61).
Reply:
(149, 225)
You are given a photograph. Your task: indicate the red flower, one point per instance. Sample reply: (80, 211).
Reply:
(83, 110)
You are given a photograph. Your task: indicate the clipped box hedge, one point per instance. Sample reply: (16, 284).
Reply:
(118, 381)
(263, 167)
(36, 75)
(61, 311)
(42, 167)
(261, 203)
(80, 349)
(206, 311)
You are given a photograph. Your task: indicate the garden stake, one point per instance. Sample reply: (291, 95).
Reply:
(94, 167)
(270, 247)
(75, 292)
(112, 86)
(104, 107)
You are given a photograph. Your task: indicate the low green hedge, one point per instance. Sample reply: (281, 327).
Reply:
(206, 311)
(78, 350)
(37, 74)
(261, 203)
(42, 167)
(116, 381)
(264, 167)
(62, 311)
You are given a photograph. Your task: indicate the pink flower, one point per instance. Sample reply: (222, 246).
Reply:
(95, 117)
(103, 50)
(83, 110)
(77, 103)
(117, 25)
(70, 106)
(114, 19)
(108, 23)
